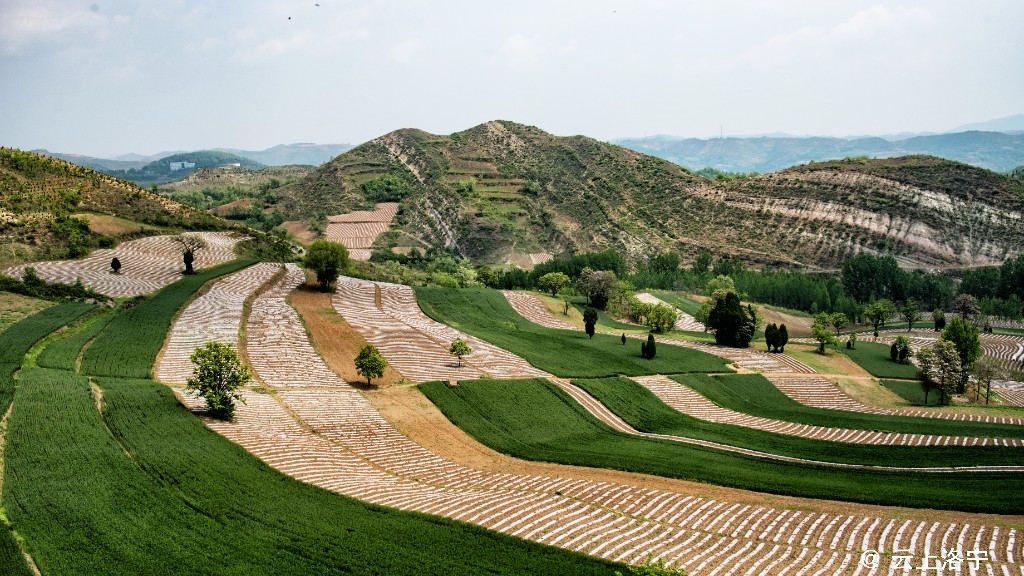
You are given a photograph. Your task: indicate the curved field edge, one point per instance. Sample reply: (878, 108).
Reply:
(486, 314)
(644, 411)
(145, 486)
(129, 345)
(535, 420)
(755, 395)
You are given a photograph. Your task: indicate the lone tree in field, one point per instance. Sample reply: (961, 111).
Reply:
(590, 320)
(878, 312)
(783, 338)
(838, 321)
(217, 376)
(910, 314)
(552, 282)
(940, 367)
(459, 348)
(939, 318)
(648, 349)
(370, 364)
(964, 337)
(327, 259)
(190, 244)
(900, 351)
(987, 369)
(821, 333)
(771, 336)
(115, 264)
(733, 324)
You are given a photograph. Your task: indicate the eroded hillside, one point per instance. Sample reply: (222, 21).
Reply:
(502, 189)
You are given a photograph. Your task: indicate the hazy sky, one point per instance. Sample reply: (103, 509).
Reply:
(106, 77)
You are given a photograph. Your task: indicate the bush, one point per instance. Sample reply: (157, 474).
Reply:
(648, 349)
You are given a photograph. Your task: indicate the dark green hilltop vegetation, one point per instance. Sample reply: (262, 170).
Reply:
(536, 420)
(102, 470)
(645, 412)
(47, 202)
(502, 190)
(486, 314)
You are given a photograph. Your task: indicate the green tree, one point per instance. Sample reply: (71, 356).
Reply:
(459, 348)
(703, 263)
(733, 324)
(370, 364)
(964, 337)
(703, 314)
(116, 265)
(966, 306)
(910, 313)
(900, 351)
(986, 369)
(939, 319)
(552, 282)
(720, 282)
(771, 336)
(820, 331)
(327, 259)
(878, 312)
(661, 318)
(598, 286)
(623, 338)
(852, 342)
(925, 362)
(947, 371)
(217, 376)
(567, 294)
(590, 320)
(783, 337)
(838, 321)
(190, 244)
(488, 277)
(648, 349)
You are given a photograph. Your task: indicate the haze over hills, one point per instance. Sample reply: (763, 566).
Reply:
(502, 189)
(993, 150)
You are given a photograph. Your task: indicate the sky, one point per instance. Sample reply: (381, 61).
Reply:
(108, 77)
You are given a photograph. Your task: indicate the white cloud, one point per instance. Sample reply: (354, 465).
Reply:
(24, 23)
(271, 48)
(866, 30)
(521, 51)
(406, 52)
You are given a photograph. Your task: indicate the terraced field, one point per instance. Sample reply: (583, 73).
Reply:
(530, 307)
(357, 230)
(355, 452)
(147, 264)
(317, 428)
(684, 321)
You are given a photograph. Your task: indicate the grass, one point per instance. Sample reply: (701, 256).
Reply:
(486, 314)
(63, 354)
(647, 413)
(688, 305)
(874, 358)
(753, 394)
(129, 346)
(144, 486)
(911, 391)
(535, 420)
(14, 307)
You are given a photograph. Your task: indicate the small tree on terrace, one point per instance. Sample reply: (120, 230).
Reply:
(910, 314)
(552, 282)
(783, 338)
(771, 336)
(966, 306)
(217, 376)
(115, 264)
(878, 312)
(459, 348)
(939, 318)
(190, 244)
(900, 351)
(964, 337)
(987, 369)
(661, 318)
(838, 321)
(370, 364)
(648, 349)
(590, 320)
(567, 294)
(821, 333)
(326, 259)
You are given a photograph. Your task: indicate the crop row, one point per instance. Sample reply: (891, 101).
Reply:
(755, 395)
(535, 420)
(129, 345)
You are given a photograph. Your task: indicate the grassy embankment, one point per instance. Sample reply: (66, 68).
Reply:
(535, 420)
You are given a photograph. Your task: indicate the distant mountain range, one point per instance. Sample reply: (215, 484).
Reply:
(998, 151)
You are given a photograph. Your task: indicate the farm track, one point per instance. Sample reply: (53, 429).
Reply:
(818, 392)
(388, 316)
(691, 403)
(359, 229)
(354, 451)
(147, 264)
(530, 307)
(683, 320)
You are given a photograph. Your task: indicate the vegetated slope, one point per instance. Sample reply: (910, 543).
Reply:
(992, 150)
(1017, 173)
(503, 188)
(243, 178)
(38, 194)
